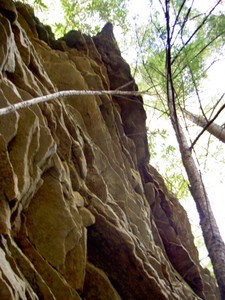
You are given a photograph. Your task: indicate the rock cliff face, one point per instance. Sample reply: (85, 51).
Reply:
(82, 213)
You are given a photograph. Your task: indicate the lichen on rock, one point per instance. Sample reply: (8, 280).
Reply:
(83, 214)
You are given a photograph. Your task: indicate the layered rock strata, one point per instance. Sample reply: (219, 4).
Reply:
(83, 214)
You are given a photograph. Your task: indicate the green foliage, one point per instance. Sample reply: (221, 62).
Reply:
(174, 178)
(194, 38)
(90, 16)
(37, 4)
(40, 3)
(152, 135)
(191, 45)
(160, 147)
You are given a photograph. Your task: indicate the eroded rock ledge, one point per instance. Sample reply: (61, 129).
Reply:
(83, 214)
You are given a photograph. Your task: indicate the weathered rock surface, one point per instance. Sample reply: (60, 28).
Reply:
(83, 214)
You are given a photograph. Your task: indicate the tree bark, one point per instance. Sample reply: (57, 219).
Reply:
(212, 237)
(215, 129)
(14, 107)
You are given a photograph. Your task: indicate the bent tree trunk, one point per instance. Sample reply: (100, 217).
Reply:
(213, 128)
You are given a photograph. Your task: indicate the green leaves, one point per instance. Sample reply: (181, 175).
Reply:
(90, 16)
(40, 3)
(166, 157)
(193, 37)
(37, 4)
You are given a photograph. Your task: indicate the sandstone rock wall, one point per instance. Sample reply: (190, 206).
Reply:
(82, 213)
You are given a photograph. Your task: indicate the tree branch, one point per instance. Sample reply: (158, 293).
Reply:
(195, 31)
(215, 129)
(177, 17)
(20, 105)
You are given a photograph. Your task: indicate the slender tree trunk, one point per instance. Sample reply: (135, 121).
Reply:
(213, 240)
(210, 230)
(215, 129)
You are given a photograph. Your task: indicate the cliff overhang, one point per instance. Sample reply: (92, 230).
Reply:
(83, 214)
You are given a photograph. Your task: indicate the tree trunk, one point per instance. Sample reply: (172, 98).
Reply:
(216, 130)
(213, 240)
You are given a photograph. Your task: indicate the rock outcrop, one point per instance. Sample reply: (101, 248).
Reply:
(83, 214)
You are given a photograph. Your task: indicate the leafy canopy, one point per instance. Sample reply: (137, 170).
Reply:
(192, 44)
(89, 16)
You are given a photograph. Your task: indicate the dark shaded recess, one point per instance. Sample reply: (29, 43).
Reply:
(45, 34)
(75, 39)
(190, 276)
(10, 15)
(109, 251)
(8, 10)
(177, 253)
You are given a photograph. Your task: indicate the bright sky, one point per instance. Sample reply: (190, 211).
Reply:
(214, 178)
